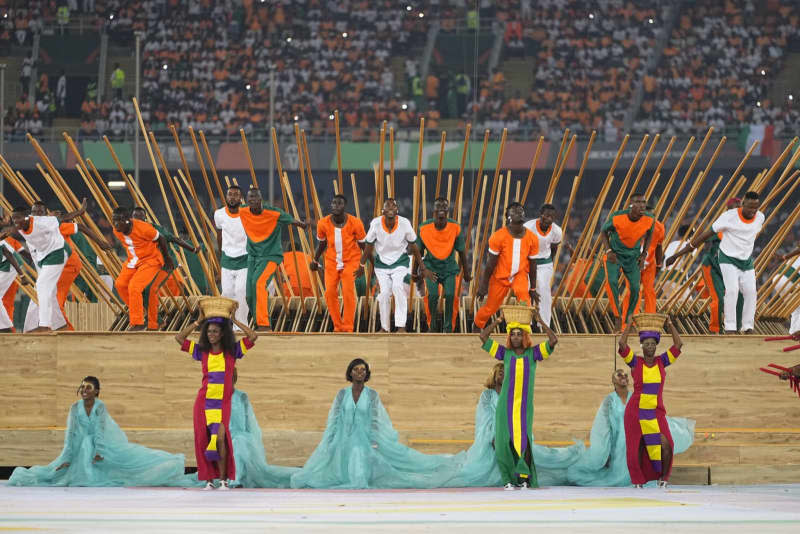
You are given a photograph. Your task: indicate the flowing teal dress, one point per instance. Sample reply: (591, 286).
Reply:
(480, 468)
(252, 470)
(360, 450)
(604, 463)
(123, 463)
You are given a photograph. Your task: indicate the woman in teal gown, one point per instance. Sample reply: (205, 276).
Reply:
(360, 449)
(252, 469)
(97, 453)
(480, 468)
(603, 463)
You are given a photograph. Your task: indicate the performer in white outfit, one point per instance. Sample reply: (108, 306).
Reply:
(49, 251)
(789, 283)
(232, 242)
(739, 228)
(549, 235)
(391, 237)
(9, 270)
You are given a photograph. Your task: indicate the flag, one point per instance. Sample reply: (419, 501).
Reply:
(763, 133)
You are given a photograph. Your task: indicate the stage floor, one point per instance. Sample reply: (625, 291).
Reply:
(771, 508)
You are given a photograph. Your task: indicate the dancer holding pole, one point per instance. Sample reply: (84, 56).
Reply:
(549, 235)
(232, 244)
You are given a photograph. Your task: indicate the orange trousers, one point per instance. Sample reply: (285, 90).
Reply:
(710, 291)
(173, 283)
(8, 301)
(259, 273)
(498, 289)
(71, 271)
(131, 285)
(648, 291)
(343, 321)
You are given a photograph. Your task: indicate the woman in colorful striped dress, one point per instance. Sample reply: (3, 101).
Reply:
(217, 350)
(648, 439)
(514, 416)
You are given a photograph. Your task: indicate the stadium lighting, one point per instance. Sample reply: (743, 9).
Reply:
(111, 17)
(116, 184)
(5, 15)
(248, 86)
(404, 106)
(763, 72)
(331, 117)
(421, 15)
(591, 16)
(791, 97)
(651, 21)
(344, 34)
(408, 8)
(288, 39)
(164, 67)
(758, 104)
(296, 118)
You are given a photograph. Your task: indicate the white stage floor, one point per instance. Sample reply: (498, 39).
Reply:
(762, 509)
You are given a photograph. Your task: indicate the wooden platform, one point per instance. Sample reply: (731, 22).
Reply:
(748, 423)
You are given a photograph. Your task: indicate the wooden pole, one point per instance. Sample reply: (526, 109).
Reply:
(441, 161)
(203, 170)
(249, 157)
(477, 186)
(392, 192)
(212, 166)
(460, 183)
(551, 189)
(338, 150)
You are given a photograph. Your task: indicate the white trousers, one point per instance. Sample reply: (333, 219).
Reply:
(392, 282)
(234, 286)
(108, 281)
(737, 281)
(47, 293)
(6, 279)
(544, 276)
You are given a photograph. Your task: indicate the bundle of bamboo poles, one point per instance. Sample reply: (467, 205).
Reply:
(575, 310)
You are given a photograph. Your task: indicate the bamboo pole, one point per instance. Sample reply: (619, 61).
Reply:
(441, 162)
(392, 191)
(312, 185)
(460, 183)
(534, 162)
(249, 158)
(190, 184)
(355, 194)
(203, 170)
(657, 172)
(338, 150)
(551, 189)
(477, 186)
(213, 167)
(642, 168)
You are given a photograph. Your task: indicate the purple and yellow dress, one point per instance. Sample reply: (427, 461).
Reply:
(213, 407)
(646, 417)
(514, 417)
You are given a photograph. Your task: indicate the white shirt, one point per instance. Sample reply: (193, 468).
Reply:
(234, 238)
(552, 237)
(390, 246)
(738, 235)
(43, 236)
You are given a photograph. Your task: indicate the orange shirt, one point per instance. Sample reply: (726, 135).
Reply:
(303, 260)
(140, 243)
(513, 254)
(67, 229)
(342, 242)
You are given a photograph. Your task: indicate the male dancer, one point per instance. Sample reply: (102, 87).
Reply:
(391, 237)
(264, 228)
(144, 269)
(341, 236)
(440, 240)
(626, 236)
(174, 279)
(49, 252)
(549, 235)
(653, 264)
(713, 286)
(8, 246)
(232, 244)
(511, 266)
(739, 228)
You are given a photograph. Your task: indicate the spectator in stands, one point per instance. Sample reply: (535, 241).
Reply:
(117, 81)
(61, 92)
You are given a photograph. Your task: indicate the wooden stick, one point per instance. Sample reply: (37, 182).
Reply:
(449, 186)
(355, 194)
(312, 185)
(441, 161)
(476, 187)
(534, 162)
(551, 189)
(286, 206)
(392, 192)
(642, 168)
(108, 195)
(419, 159)
(338, 150)
(423, 202)
(203, 170)
(657, 172)
(213, 166)
(379, 188)
(302, 167)
(559, 154)
(249, 157)
(460, 183)
(689, 172)
(198, 206)
(517, 191)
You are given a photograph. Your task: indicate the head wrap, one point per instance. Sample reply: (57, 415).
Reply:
(216, 320)
(732, 202)
(524, 327)
(652, 334)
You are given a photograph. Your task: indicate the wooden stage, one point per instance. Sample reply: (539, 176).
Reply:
(748, 423)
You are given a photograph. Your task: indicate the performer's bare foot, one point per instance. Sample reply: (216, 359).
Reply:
(136, 328)
(401, 330)
(40, 330)
(748, 331)
(382, 331)
(263, 329)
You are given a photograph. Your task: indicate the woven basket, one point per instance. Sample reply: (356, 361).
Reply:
(650, 321)
(518, 314)
(217, 307)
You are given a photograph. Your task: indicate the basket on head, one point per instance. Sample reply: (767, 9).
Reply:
(518, 314)
(650, 321)
(217, 307)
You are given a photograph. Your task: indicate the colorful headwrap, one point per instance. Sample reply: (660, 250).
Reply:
(216, 320)
(732, 202)
(524, 327)
(652, 334)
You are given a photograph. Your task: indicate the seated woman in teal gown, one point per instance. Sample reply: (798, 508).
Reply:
(603, 463)
(360, 449)
(97, 453)
(480, 468)
(252, 469)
